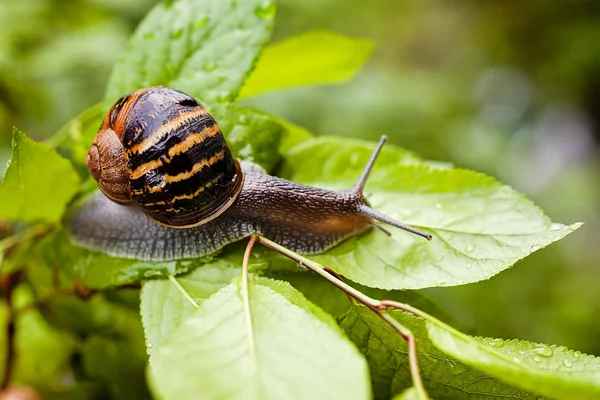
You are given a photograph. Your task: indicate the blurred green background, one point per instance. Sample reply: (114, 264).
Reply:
(508, 88)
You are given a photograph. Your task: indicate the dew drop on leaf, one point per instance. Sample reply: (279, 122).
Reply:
(537, 359)
(556, 226)
(497, 343)
(469, 265)
(535, 247)
(516, 359)
(567, 363)
(469, 248)
(439, 206)
(544, 351)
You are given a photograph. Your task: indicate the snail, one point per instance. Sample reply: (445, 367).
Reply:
(170, 189)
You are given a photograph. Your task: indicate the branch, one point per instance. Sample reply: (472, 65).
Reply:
(378, 306)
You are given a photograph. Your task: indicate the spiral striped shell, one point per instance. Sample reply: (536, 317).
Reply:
(161, 149)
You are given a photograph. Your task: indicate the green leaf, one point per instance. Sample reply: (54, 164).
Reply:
(443, 377)
(293, 136)
(554, 371)
(164, 308)
(115, 355)
(204, 47)
(306, 59)
(281, 349)
(480, 226)
(251, 135)
(38, 183)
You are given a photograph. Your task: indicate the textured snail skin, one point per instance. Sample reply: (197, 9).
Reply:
(293, 215)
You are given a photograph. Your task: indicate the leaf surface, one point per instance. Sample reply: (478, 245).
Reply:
(203, 47)
(309, 58)
(38, 183)
(284, 348)
(480, 226)
(554, 371)
(443, 377)
(163, 307)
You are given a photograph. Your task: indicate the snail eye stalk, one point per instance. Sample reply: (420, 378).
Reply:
(367, 211)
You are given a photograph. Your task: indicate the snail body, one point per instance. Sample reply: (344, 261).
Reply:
(171, 189)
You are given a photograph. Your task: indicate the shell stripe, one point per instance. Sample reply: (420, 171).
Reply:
(205, 162)
(185, 173)
(180, 148)
(161, 190)
(165, 130)
(189, 196)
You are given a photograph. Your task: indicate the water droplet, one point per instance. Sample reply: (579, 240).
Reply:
(556, 226)
(469, 265)
(497, 343)
(469, 248)
(149, 345)
(460, 282)
(535, 247)
(439, 206)
(484, 260)
(544, 351)
(516, 359)
(521, 352)
(266, 10)
(537, 359)
(440, 283)
(567, 363)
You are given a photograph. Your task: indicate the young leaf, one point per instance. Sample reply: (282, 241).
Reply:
(38, 183)
(480, 226)
(164, 308)
(204, 47)
(284, 348)
(306, 59)
(443, 377)
(553, 371)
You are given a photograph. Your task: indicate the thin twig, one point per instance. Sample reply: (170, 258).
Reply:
(376, 305)
(246, 295)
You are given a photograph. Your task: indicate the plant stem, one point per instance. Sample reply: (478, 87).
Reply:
(378, 306)
(246, 296)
